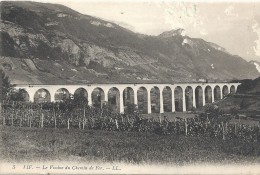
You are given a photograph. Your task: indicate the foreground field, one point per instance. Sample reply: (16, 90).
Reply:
(42, 144)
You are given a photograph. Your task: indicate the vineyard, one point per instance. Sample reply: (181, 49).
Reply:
(71, 115)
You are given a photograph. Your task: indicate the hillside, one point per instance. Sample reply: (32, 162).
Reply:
(249, 87)
(50, 43)
(257, 65)
(245, 101)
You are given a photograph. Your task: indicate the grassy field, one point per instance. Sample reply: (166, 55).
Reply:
(42, 144)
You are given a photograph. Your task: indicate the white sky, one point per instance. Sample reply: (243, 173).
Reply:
(232, 25)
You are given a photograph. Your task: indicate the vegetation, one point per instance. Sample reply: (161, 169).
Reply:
(5, 85)
(69, 115)
(249, 86)
(42, 144)
(72, 130)
(7, 92)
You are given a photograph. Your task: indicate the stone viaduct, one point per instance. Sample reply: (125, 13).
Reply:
(179, 97)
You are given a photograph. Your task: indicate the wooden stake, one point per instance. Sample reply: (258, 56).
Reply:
(186, 127)
(68, 123)
(30, 119)
(84, 117)
(223, 131)
(84, 111)
(122, 118)
(116, 124)
(235, 128)
(83, 123)
(42, 120)
(54, 115)
(12, 117)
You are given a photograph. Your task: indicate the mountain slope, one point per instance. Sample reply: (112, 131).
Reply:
(245, 101)
(49, 43)
(256, 64)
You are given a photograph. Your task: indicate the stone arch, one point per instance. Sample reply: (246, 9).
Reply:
(232, 89)
(42, 95)
(155, 99)
(199, 96)
(61, 94)
(208, 94)
(81, 95)
(225, 90)
(142, 97)
(217, 93)
(178, 98)
(98, 97)
(128, 99)
(114, 99)
(167, 99)
(189, 98)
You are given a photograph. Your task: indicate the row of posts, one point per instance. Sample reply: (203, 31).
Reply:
(81, 124)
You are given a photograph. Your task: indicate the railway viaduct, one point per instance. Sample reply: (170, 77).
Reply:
(150, 97)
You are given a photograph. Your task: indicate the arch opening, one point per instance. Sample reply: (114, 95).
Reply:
(217, 93)
(199, 96)
(178, 95)
(155, 100)
(98, 97)
(61, 94)
(167, 99)
(208, 95)
(225, 91)
(189, 98)
(128, 98)
(81, 96)
(42, 95)
(232, 89)
(113, 99)
(142, 97)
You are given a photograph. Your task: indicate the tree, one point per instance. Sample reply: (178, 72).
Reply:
(17, 95)
(213, 110)
(5, 86)
(131, 109)
(80, 99)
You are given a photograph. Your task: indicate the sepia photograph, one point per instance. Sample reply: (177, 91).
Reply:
(129, 87)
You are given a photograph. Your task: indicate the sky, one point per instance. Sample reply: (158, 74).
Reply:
(234, 25)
